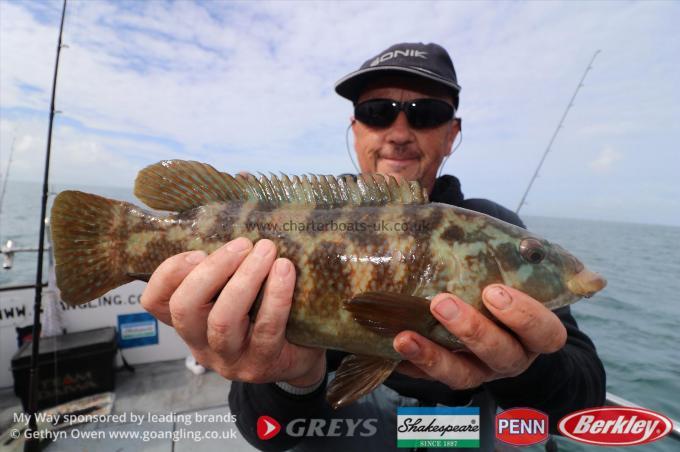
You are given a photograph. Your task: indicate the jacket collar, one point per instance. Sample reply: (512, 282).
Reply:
(447, 190)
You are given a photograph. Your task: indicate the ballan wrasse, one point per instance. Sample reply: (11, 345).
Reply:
(369, 254)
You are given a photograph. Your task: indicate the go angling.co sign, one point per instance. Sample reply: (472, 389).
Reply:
(615, 426)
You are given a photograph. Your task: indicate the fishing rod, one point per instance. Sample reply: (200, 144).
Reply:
(2, 196)
(4, 179)
(557, 130)
(32, 444)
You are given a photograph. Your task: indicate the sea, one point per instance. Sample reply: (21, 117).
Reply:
(634, 322)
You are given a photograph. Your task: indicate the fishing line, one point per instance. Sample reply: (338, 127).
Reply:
(441, 167)
(347, 146)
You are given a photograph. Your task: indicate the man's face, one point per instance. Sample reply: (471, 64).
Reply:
(399, 149)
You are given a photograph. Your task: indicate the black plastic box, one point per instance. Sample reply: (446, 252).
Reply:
(71, 366)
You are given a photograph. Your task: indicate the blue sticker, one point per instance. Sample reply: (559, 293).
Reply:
(136, 330)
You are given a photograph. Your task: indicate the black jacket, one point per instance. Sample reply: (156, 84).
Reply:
(557, 384)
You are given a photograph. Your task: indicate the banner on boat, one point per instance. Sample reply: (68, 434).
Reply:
(141, 343)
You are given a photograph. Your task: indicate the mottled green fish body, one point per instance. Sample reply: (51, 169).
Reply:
(369, 254)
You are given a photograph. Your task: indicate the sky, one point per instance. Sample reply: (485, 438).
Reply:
(249, 87)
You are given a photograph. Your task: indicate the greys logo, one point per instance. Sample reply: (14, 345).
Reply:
(333, 427)
(397, 53)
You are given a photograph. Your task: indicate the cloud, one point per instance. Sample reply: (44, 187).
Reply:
(605, 160)
(80, 155)
(248, 86)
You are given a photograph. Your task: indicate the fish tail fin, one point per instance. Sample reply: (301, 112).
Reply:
(85, 241)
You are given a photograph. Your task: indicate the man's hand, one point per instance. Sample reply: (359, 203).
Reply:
(493, 352)
(220, 335)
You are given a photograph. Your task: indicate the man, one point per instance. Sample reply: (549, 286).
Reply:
(404, 124)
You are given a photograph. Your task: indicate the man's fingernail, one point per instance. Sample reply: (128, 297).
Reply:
(282, 267)
(409, 348)
(238, 245)
(498, 297)
(195, 257)
(447, 308)
(261, 249)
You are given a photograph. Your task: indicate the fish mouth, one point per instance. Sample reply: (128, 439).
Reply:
(586, 283)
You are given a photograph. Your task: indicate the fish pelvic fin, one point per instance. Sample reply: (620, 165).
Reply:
(179, 185)
(357, 376)
(85, 247)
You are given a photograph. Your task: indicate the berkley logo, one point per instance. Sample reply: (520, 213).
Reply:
(522, 426)
(615, 426)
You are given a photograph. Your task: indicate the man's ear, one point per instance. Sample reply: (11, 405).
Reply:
(456, 125)
(453, 133)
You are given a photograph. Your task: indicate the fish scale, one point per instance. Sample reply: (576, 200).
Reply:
(369, 254)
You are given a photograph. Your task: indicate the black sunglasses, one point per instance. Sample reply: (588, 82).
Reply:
(420, 113)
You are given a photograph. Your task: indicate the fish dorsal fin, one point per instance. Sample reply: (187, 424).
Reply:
(179, 185)
(357, 376)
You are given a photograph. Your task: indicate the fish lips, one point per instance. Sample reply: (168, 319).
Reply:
(586, 283)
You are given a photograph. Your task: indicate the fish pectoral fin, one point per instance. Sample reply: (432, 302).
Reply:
(357, 376)
(388, 313)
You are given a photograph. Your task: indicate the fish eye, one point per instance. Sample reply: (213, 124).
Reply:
(532, 251)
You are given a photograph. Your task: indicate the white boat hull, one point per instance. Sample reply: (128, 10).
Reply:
(16, 310)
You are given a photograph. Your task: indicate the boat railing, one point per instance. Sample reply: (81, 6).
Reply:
(9, 249)
(614, 400)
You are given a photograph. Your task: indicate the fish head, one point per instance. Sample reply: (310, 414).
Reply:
(543, 270)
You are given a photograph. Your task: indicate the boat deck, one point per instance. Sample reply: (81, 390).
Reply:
(158, 388)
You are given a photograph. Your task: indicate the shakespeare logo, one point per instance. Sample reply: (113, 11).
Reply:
(437, 427)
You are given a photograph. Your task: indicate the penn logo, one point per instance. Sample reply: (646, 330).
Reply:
(615, 426)
(412, 53)
(267, 427)
(522, 426)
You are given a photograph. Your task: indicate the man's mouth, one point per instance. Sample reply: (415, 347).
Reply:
(398, 158)
(397, 163)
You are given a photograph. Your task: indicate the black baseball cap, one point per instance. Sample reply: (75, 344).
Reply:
(429, 61)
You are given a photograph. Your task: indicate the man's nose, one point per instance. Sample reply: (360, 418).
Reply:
(400, 131)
